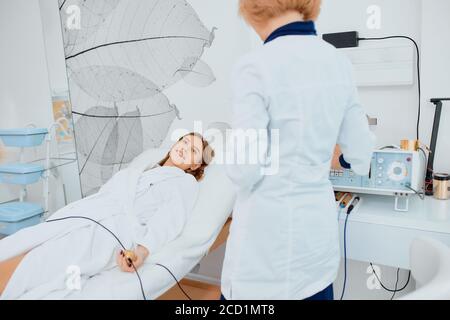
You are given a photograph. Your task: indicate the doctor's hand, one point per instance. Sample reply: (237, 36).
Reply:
(335, 164)
(127, 258)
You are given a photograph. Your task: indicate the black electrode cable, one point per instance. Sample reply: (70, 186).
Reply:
(396, 284)
(345, 257)
(418, 71)
(426, 183)
(421, 194)
(112, 233)
(387, 289)
(123, 247)
(179, 285)
(349, 210)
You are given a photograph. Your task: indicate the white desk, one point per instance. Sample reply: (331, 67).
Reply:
(376, 233)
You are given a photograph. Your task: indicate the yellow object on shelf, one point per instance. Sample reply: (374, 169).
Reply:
(409, 145)
(412, 145)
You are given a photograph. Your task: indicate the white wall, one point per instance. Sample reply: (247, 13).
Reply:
(25, 92)
(385, 103)
(436, 74)
(53, 40)
(212, 104)
(24, 89)
(396, 107)
(24, 79)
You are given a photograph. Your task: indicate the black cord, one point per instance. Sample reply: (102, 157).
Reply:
(418, 71)
(345, 256)
(424, 154)
(62, 5)
(420, 194)
(425, 186)
(123, 247)
(175, 280)
(349, 210)
(389, 147)
(387, 289)
(92, 220)
(396, 284)
(112, 233)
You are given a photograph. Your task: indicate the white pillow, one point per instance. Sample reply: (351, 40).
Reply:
(214, 205)
(155, 155)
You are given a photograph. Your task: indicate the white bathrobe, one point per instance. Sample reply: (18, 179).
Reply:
(148, 208)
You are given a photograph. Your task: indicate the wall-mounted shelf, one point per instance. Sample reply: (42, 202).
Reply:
(20, 173)
(17, 215)
(23, 137)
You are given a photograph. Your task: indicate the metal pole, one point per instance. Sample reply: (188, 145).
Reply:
(434, 136)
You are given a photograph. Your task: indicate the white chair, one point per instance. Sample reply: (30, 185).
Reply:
(430, 267)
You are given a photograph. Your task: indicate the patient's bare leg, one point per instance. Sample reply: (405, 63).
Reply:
(7, 269)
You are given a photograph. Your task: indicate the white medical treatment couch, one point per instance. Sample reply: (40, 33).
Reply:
(211, 213)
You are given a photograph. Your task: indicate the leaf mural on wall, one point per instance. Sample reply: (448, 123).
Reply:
(126, 54)
(92, 132)
(154, 38)
(92, 15)
(196, 72)
(130, 139)
(113, 84)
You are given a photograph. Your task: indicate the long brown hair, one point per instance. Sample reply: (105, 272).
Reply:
(207, 156)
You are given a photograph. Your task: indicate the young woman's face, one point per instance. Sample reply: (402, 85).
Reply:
(187, 153)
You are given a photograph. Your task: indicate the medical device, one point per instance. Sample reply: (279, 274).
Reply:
(396, 173)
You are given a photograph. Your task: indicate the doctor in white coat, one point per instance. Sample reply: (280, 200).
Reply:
(283, 242)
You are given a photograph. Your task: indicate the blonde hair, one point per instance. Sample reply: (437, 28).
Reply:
(207, 157)
(261, 10)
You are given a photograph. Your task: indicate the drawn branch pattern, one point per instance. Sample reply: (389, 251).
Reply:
(120, 61)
